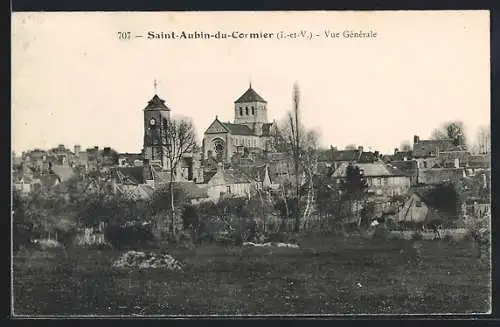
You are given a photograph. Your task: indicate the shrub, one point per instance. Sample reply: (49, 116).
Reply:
(417, 236)
(128, 236)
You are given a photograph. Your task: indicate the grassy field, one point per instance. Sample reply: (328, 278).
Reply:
(324, 276)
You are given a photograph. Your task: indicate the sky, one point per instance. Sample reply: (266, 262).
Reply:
(75, 82)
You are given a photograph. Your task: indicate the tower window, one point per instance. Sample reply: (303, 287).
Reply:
(246, 110)
(241, 111)
(253, 110)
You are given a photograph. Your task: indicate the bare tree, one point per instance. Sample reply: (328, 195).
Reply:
(293, 118)
(350, 147)
(180, 139)
(454, 130)
(483, 139)
(405, 146)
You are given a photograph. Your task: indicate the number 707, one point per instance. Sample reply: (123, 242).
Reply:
(124, 35)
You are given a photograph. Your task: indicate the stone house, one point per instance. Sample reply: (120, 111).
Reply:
(382, 179)
(417, 208)
(229, 183)
(440, 175)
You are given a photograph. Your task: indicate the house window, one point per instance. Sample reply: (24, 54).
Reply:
(228, 189)
(246, 110)
(418, 204)
(241, 111)
(253, 110)
(425, 164)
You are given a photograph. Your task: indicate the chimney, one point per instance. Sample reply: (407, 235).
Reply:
(77, 149)
(396, 150)
(416, 139)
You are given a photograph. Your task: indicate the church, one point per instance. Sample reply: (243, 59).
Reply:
(250, 130)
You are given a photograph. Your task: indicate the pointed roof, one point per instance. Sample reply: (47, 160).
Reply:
(156, 103)
(250, 96)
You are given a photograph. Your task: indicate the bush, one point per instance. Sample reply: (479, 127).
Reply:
(417, 236)
(128, 236)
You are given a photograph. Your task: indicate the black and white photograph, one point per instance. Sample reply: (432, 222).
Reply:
(239, 164)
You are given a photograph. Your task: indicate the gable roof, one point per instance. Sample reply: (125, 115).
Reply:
(376, 169)
(229, 176)
(401, 155)
(217, 127)
(409, 166)
(367, 157)
(345, 155)
(250, 96)
(156, 103)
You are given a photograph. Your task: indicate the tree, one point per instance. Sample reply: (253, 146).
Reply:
(295, 141)
(353, 186)
(180, 139)
(483, 139)
(405, 146)
(350, 147)
(453, 130)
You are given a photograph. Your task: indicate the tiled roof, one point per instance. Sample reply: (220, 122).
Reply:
(207, 175)
(345, 155)
(376, 169)
(250, 96)
(238, 129)
(409, 166)
(156, 103)
(367, 157)
(401, 155)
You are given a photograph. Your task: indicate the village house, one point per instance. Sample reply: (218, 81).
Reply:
(478, 163)
(343, 157)
(130, 160)
(417, 208)
(440, 175)
(382, 179)
(229, 183)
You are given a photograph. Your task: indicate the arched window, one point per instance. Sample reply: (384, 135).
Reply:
(241, 111)
(253, 110)
(246, 109)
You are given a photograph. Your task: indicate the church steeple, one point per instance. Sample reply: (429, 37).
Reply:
(250, 108)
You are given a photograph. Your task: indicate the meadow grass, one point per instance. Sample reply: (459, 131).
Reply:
(325, 276)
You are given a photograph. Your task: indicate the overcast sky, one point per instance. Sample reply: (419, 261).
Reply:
(75, 82)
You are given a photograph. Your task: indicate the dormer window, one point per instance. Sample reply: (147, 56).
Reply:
(246, 110)
(253, 110)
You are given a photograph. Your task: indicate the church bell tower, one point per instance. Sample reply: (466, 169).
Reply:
(155, 114)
